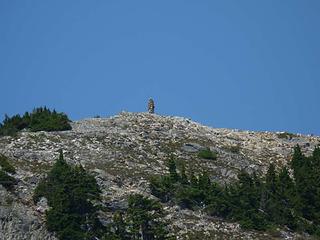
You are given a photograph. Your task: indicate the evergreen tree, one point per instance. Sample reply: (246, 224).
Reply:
(6, 180)
(286, 197)
(5, 165)
(189, 197)
(173, 170)
(271, 198)
(204, 181)
(71, 192)
(41, 119)
(6, 169)
(194, 182)
(246, 206)
(162, 187)
(316, 158)
(145, 219)
(183, 175)
(218, 201)
(315, 176)
(120, 226)
(297, 161)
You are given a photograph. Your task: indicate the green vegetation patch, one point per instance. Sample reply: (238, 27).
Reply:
(233, 148)
(7, 181)
(70, 192)
(256, 202)
(207, 154)
(41, 119)
(144, 219)
(74, 198)
(286, 135)
(5, 169)
(5, 165)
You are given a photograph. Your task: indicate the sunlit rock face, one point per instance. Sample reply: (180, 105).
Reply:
(123, 151)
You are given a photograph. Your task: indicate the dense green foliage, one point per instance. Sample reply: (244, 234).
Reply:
(74, 196)
(41, 119)
(260, 203)
(70, 192)
(144, 219)
(207, 154)
(5, 169)
(306, 171)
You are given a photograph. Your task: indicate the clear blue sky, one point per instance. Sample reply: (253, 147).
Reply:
(237, 64)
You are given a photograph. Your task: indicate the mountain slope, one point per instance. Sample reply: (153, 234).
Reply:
(124, 151)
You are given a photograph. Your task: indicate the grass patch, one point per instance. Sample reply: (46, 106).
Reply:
(207, 154)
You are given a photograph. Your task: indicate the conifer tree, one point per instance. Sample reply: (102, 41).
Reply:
(271, 198)
(70, 192)
(286, 197)
(297, 161)
(173, 170)
(145, 219)
(183, 175)
(246, 207)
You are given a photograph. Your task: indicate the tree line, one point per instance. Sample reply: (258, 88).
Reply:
(288, 197)
(40, 119)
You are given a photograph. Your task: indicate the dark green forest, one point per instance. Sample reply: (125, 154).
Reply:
(40, 119)
(284, 197)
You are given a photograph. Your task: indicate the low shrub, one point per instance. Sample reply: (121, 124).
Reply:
(5, 165)
(6, 180)
(235, 149)
(286, 135)
(41, 119)
(207, 154)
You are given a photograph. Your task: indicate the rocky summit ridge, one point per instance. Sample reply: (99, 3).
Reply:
(123, 151)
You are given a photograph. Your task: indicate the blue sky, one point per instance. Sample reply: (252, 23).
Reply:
(236, 64)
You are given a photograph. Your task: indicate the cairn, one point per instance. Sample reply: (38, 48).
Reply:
(151, 106)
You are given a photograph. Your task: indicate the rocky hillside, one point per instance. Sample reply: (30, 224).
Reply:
(124, 151)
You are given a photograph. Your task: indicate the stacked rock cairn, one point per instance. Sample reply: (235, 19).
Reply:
(151, 106)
